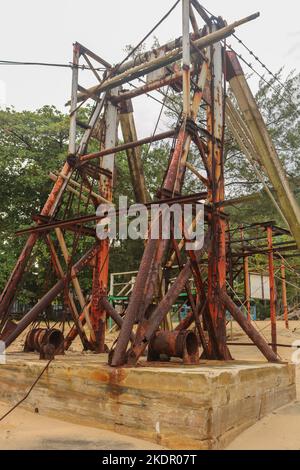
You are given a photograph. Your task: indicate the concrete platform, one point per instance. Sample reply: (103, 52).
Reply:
(179, 407)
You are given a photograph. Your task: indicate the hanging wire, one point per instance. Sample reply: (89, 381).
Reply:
(259, 61)
(49, 64)
(148, 35)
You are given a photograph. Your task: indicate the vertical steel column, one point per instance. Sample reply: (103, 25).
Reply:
(153, 254)
(272, 289)
(263, 144)
(217, 253)
(186, 56)
(9, 291)
(284, 295)
(73, 113)
(134, 156)
(246, 279)
(100, 273)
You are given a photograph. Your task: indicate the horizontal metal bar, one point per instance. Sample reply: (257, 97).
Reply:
(150, 86)
(92, 218)
(146, 67)
(129, 145)
(270, 344)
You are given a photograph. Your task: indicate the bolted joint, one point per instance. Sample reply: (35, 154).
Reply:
(72, 159)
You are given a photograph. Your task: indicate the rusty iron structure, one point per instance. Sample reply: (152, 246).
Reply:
(199, 67)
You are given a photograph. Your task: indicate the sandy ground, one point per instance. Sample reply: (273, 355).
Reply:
(280, 430)
(23, 430)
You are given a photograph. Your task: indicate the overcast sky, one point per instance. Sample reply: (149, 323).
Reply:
(35, 30)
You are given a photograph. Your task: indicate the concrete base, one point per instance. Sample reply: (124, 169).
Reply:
(179, 407)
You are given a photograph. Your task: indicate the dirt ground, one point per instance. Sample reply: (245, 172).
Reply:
(279, 430)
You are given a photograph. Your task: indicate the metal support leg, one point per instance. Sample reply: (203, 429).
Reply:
(284, 295)
(272, 289)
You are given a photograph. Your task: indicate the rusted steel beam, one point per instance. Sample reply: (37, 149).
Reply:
(48, 298)
(152, 325)
(96, 57)
(73, 113)
(70, 300)
(155, 249)
(193, 20)
(186, 58)
(150, 86)
(269, 344)
(265, 147)
(246, 279)
(73, 333)
(201, 12)
(126, 74)
(49, 208)
(272, 289)
(113, 314)
(134, 156)
(214, 350)
(77, 222)
(247, 327)
(183, 344)
(284, 295)
(215, 161)
(134, 303)
(127, 146)
(279, 249)
(101, 268)
(10, 289)
(196, 309)
(75, 281)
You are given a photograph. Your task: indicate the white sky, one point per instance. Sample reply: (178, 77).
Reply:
(43, 31)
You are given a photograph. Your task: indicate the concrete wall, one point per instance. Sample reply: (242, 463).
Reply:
(201, 407)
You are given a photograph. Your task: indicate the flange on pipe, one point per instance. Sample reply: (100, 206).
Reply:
(48, 342)
(183, 344)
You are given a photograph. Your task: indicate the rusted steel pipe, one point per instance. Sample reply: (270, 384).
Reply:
(247, 327)
(135, 300)
(9, 291)
(77, 223)
(136, 71)
(272, 289)
(73, 333)
(183, 344)
(154, 85)
(113, 314)
(165, 305)
(246, 280)
(284, 295)
(37, 338)
(129, 145)
(49, 297)
(279, 345)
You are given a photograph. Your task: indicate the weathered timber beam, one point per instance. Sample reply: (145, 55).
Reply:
(267, 152)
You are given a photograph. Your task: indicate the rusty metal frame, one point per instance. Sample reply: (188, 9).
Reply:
(201, 81)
